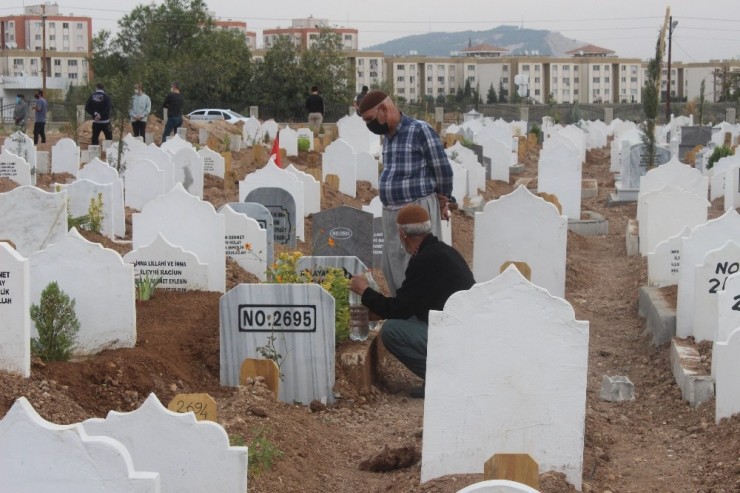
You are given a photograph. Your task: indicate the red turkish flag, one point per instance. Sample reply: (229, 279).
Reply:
(276, 150)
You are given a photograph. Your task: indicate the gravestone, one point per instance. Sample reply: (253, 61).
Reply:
(268, 129)
(352, 130)
(289, 141)
(664, 262)
(246, 242)
(499, 155)
(727, 390)
(102, 285)
(281, 205)
(459, 181)
(79, 195)
(32, 218)
(263, 216)
(343, 231)
(709, 279)
(306, 133)
(144, 182)
(15, 303)
(189, 170)
(99, 172)
(367, 168)
(560, 173)
(15, 168)
(22, 145)
(65, 157)
(692, 136)
(162, 159)
(376, 209)
(703, 238)
(175, 144)
(666, 212)
(732, 187)
(498, 486)
(636, 167)
(481, 158)
(213, 162)
(718, 173)
(178, 270)
(311, 190)
(728, 308)
(42, 162)
(35, 454)
(250, 131)
(298, 319)
(189, 455)
(271, 176)
(339, 159)
(535, 409)
(189, 222)
(318, 265)
(521, 227)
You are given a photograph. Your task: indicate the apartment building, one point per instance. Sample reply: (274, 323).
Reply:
(250, 37)
(23, 39)
(304, 33)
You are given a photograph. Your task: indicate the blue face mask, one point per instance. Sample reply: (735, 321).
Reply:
(17, 100)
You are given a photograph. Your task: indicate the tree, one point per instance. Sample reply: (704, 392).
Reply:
(650, 103)
(278, 78)
(491, 97)
(503, 93)
(326, 65)
(56, 323)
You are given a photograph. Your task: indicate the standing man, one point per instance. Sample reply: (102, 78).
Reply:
(141, 106)
(315, 108)
(415, 171)
(20, 113)
(39, 121)
(435, 272)
(100, 107)
(174, 103)
(360, 96)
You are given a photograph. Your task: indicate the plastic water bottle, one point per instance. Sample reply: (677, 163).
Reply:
(359, 322)
(373, 324)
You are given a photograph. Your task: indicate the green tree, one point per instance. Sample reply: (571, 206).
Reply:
(491, 97)
(56, 323)
(503, 93)
(325, 64)
(278, 77)
(650, 103)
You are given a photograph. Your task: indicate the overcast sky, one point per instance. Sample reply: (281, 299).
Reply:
(707, 29)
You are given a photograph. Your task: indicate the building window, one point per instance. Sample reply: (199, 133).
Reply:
(402, 91)
(17, 62)
(575, 80)
(505, 68)
(566, 68)
(57, 63)
(412, 90)
(596, 68)
(79, 25)
(536, 68)
(348, 37)
(441, 90)
(71, 63)
(624, 80)
(72, 75)
(441, 69)
(401, 68)
(536, 80)
(400, 78)
(606, 80)
(505, 80)
(471, 68)
(360, 74)
(441, 79)
(633, 79)
(596, 80)
(412, 79)
(360, 62)
(52, 37)
(525, 68)
(536, 92)
(430, 78)
(65, 25)
(37, 37)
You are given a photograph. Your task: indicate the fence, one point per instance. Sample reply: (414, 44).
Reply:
(56, 113)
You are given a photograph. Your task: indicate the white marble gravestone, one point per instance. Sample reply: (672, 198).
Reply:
(263, 216)
(144, 182)
(534, 356)
(575, 135)
(289, 141)
(162, 159)
(666, 212)
(521, 227)
(703, 238)
(353, 130)
(22, 145)
(79, 195)
(311, 190)
(459, 181)
(498, 486)
(176, 143)
(189, 170)
(245, 242)
(676, 174)
(560, 173)
(732, 187)
(188, 222)
(15, 321)
(727, 367)
(36, 454)
(65, 157)
(728, 308)
(32, 218)
(476, 172)
(250, 131)
(367, 168)
(664, 262)
(102, 285)
(500, 155)
(271, 176)
(269, 129)
(15, 168)
(306, 133)
(710, 279)
(718, 173)
(213, 162)
(188, 454)
(339, 159)
(300, 317)
(99, 172)
(179, 270)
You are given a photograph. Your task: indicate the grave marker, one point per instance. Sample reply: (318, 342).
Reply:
(343, 231)
(15, 303)
(179, 270)
(203, 406)
(189, 170)
(15, 168)
(246, 242)
(263, 216)
(65, 157)
(710, 278)
(281, 205)
(339, 159)
(99, 172)
(213, 162)
(32, 218)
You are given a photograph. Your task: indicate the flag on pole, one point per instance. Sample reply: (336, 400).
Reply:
(275, 153)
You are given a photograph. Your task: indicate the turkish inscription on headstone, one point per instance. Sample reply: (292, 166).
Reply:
(263, 216)
(281, 205)
(344, 231)
(639, 162)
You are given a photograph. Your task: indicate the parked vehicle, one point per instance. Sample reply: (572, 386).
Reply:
(210, 114)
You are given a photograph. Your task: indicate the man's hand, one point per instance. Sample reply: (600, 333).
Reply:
(444, 207)
(358, 284)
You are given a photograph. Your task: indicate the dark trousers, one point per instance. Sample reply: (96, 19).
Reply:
(101, 127)
(39, 130)
(407, 341)
(173, 123)
(139, 128)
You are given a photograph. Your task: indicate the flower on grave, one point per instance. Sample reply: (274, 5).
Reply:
(331, 242)
(248, 246)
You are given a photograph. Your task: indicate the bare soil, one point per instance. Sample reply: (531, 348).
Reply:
(370, 440)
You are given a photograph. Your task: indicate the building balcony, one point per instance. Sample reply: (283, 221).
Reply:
(15, 82)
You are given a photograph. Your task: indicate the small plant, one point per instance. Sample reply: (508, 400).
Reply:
(95, 213)
(237, 441)
(145, 286)
(269, 351)
(262, 452)
(718, 153)
(536, 131)
(337, 284)
(56, 323)
(304, 144)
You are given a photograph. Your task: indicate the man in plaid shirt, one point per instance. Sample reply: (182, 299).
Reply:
(415, 171)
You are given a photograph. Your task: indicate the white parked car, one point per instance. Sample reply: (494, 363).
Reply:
(210, 114)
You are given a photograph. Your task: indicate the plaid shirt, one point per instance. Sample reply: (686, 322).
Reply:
(414, 164)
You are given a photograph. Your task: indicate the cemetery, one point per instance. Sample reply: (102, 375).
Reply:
(598, 350)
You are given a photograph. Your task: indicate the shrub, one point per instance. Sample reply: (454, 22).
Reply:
(718, 153)
(262, 452)
(95, 214)
(145, 286)
(304, 144)
(536, 130)
(56, 323)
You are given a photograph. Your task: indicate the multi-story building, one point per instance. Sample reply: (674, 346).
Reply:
(66, 41)
(304, 33)
(250, 37)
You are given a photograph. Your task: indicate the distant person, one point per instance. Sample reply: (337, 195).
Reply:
(435, 272)
(174, 103)
(141, 106)
(360, 96)
(315, 108)
(20, 113)
(39, 120)
(100, 107)
(416, 170)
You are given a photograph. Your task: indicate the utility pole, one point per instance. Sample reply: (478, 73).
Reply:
(43, 49)
(671, 26)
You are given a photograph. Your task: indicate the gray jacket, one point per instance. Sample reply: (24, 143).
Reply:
(141, 106)
(20, 114)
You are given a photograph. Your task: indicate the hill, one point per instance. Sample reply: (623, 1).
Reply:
(517, 40)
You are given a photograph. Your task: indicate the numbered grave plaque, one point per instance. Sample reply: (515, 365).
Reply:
(202, 405)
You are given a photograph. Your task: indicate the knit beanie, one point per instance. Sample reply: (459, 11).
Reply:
(412, 214)
(371, 100)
